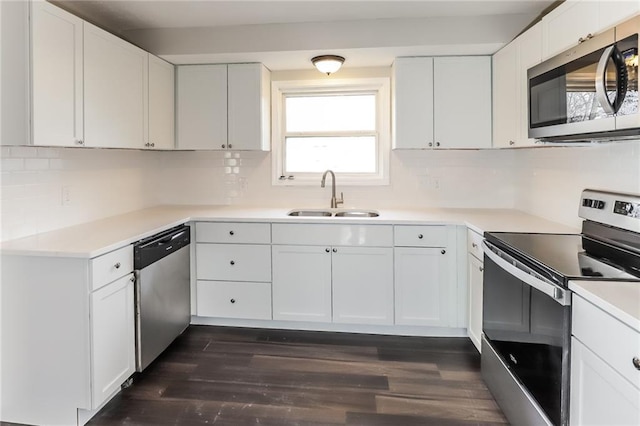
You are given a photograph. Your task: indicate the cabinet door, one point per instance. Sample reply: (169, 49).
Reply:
(249, 103)
(475, 300)
(413, 103)
(56, 76)
(161, 104)
(301, 283)
(529, 54)
(506, 113)
(202, 107)
(233, 262)
(612, 12)
(599, 395)
(362, 285)
(115, 91)
(564, 26)
(112, 338)
(462, 102)
(421, 286)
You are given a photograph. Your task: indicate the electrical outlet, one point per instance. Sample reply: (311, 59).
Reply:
(65, 195)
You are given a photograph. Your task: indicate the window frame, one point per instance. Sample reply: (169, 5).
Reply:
(380, 87)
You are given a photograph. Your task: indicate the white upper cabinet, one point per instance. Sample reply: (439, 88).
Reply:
(249, 103)
(161, 104)
(223, 107)
(413, 103)
(115, 91)
(576, 20)
(433, 96)
(202, 106)
(57, 68)
(510, 87)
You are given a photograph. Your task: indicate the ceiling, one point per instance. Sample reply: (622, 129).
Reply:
(179, 29)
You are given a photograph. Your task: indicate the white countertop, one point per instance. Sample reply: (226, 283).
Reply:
(102, 236)
(619, 299)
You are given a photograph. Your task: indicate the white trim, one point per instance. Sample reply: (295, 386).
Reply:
(381, 86)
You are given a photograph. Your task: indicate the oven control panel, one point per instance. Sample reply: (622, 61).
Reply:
(614, 209)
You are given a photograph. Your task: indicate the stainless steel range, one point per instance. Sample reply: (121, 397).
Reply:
(527, 304)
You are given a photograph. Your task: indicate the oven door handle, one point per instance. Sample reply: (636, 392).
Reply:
(525, 274)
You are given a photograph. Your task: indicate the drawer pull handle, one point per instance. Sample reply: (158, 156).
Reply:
(474, 245)
(335, 250)
(233, 301)
(117, 265)
(481, 269)
(231, 232)
(636, 362)
(420, 236)
(443, 251)
(233, 262)
(327, 250)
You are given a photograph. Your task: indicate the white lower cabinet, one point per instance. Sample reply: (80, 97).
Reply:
(605, 382)
(475, 268)
(362, 279)
(421, 286)
(228, 299)
(301, 283)
(112, 338)
(425, 276)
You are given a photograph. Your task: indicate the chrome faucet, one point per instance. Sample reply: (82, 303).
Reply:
(334, 200)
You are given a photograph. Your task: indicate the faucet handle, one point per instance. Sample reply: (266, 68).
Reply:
(341, 200)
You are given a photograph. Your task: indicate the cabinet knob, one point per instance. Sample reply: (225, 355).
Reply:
(335, 250)
(636, 362)
(437, 143)
(420, 236)
(117, 265)
(153, 144)
(327, 250)
(79, 142)
(229, 146)
(232, 300)
(231, 232)
(474, 245)
(512, 143)
(430, 143)
(224, 146)
(147, 144)
(481, 269)
(233, 262)
(443, 251)
(132, 279)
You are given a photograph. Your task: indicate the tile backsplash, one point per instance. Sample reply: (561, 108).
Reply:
(48, 188)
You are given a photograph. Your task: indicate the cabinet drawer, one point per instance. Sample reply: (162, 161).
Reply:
(234, 300)
(231, 232)
(233, 262)
(474, 244)
(616, 343)
(420, 236)
(333, 235)
(111, 266)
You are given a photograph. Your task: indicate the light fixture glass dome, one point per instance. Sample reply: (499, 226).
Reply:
(327, 63)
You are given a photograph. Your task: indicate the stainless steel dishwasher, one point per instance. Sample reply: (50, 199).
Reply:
(161, 264)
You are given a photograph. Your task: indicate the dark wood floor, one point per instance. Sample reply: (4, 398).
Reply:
(232, 376)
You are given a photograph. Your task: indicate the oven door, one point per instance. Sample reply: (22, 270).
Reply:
(526, 324)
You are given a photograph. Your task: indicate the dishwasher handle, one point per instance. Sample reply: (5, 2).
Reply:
(159, 246)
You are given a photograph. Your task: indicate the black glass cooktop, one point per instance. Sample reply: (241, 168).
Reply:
(560, 255)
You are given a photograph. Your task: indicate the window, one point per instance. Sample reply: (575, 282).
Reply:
(339, 125)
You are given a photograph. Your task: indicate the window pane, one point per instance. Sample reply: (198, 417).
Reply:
(340, 154)
(330, 113)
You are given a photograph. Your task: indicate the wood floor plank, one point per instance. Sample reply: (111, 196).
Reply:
(239, 376)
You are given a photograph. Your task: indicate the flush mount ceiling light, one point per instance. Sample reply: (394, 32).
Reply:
(327, 63)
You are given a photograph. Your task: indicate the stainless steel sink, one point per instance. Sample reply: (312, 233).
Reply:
(311, 213)
(357, 213)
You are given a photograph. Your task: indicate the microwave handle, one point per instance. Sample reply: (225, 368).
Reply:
(621, 80)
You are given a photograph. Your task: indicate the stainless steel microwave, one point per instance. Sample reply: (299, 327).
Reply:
(590, 91)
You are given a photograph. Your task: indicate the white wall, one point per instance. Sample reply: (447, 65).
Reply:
(100, 183)
(543, 181)
(549, 180)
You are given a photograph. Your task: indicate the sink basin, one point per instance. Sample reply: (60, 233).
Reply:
(357, 213)
(311, 213)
